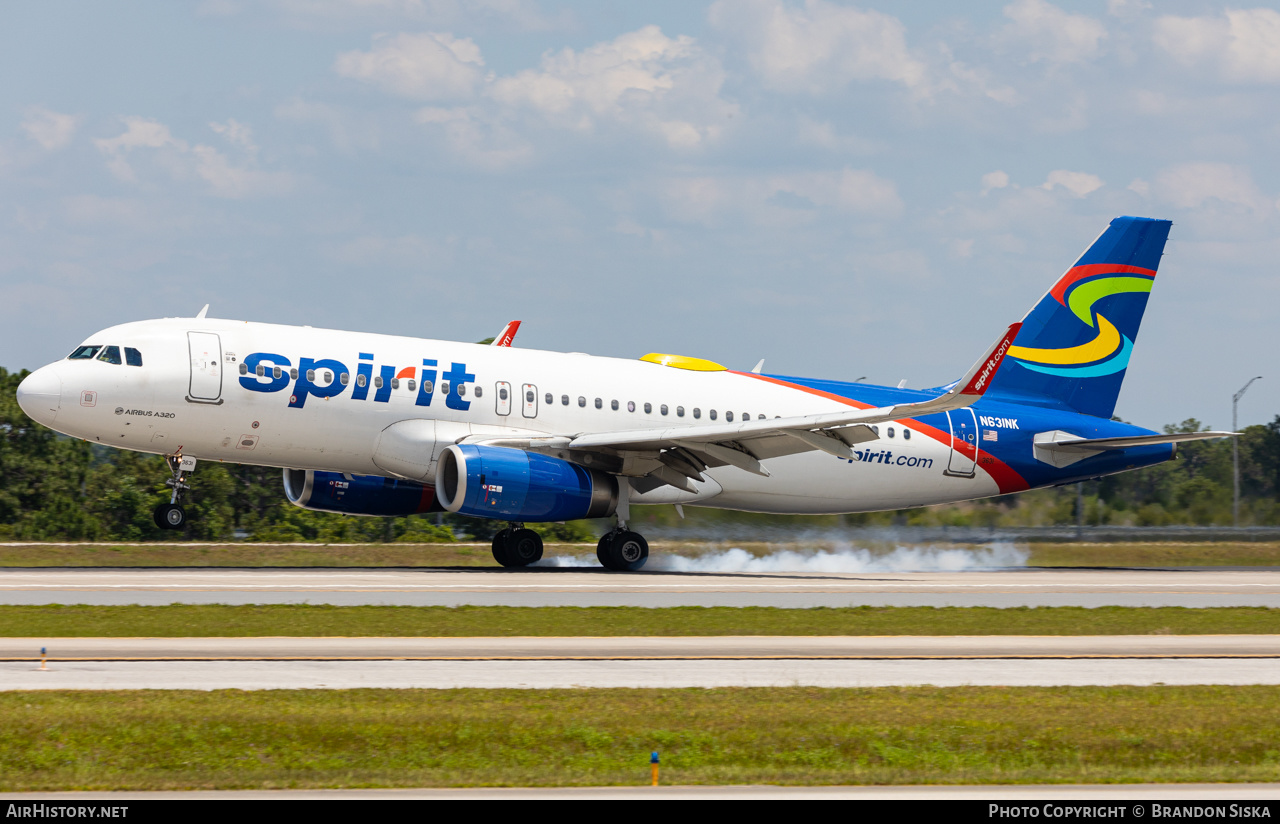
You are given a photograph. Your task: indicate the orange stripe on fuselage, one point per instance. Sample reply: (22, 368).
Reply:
(1005, 476)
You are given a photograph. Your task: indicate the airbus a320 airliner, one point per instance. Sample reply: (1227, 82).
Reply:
(369, 424)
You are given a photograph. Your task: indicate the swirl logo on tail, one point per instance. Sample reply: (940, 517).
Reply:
(1078, 291)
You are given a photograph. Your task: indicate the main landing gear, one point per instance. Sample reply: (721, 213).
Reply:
(172, 515)
(622, 550)
(516, 546)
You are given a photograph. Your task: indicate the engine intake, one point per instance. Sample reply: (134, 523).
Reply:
(500, 482)
(357, 494)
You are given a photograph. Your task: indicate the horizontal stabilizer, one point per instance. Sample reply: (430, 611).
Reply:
(1063, 449)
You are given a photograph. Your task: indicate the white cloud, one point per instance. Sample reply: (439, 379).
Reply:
(151, 142)
(1051, 34)
(347, 130)
(666, 86)
(994, 180)
(1243, 45)
(1077, 183)
(427, 66)
(778, 199)
(820, 46)
(1191, 185)
(237, 134)
(50, 129)
(480, 140)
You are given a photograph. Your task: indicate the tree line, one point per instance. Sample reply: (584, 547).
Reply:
(57, 488)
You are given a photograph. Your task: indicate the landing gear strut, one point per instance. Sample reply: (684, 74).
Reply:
(622, 550)
(516, 546)
(172, 515)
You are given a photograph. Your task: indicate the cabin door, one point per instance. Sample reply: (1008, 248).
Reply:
(964, 443)
(206, 367)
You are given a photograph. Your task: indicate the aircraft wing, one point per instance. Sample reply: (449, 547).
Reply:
(677, 453)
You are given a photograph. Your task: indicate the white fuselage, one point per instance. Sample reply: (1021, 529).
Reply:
(189, 396)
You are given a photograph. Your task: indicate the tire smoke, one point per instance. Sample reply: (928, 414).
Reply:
(843, 558)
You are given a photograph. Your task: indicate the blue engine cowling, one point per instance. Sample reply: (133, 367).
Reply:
(514, 485)
(357, 494)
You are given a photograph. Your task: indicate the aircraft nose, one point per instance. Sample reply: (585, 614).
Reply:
(40, 394)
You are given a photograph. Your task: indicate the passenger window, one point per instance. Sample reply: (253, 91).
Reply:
(479, 390)
(599, 404)
(111, 354)
(260, 370)
(890, 432)
(648, 409)
(444, 387)
(427, 386)
(712, 414)
(84, 353)
(244, 370)
(745, 416)
(462, 390)
(377, 382)
(361, 381)
(613, 405)
(631, 406)
(502, 394)
(679, 411)
(876, 430)
(582, 401)
(311, 375)
(344, 377)
(906, 434)
(528, 397)
(548, 399)
(328, 377)
(413, 385)
(132, 356)
(275, 373)
(697, 413)
(663, 409)
(293, 374)
(728, 416)
(564, 399)
(395, 383)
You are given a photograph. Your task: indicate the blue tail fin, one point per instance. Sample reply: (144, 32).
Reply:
(1074, 346)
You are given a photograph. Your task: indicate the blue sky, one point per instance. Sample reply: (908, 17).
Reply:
(843, 189)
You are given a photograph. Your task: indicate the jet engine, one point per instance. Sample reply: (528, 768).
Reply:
(357, 494)
(514, 485)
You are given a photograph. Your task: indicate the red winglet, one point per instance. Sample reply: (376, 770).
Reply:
(981, 380)
(507, 334)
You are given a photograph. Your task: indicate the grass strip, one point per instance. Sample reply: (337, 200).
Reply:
(159, 740)
(251, 555)
(186, 620)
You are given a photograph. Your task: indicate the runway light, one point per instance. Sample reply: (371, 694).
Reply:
(44, 654)
(653, 765)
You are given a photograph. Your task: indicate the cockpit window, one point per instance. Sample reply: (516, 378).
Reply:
(84, 353)
(134, 358)
(111, 354)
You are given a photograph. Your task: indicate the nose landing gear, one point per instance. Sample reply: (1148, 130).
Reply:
(172, 515)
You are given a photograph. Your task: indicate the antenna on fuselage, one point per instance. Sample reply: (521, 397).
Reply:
(203, 311)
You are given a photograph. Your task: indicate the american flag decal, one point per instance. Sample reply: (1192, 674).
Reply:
(989, 434)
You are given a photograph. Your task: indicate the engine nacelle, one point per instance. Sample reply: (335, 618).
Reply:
(514, 485)
(357, 494)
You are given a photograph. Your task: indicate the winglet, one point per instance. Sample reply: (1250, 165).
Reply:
(978, 379)
(203, 311)
(507, 334)
(759, 367)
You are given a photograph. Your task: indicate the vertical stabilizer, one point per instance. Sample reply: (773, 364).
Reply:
(1074, 345)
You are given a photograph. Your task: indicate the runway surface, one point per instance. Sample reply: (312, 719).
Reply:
(594, 587)
(1147, 794)
(712, 648)
(553, 663)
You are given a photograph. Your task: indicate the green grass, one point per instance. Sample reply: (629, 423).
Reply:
(155, 740)
(318, 620)
(478, 554)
